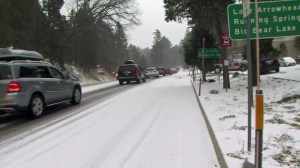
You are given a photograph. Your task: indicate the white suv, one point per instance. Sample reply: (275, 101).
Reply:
(152, 72)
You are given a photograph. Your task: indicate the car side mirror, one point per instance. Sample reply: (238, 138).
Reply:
(67, 75)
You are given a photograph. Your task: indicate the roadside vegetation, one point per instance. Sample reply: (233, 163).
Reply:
(82, 33)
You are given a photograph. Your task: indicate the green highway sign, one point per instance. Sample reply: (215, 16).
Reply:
(276, 19)
(210, 53)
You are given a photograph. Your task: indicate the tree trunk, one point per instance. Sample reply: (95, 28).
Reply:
(226, 82)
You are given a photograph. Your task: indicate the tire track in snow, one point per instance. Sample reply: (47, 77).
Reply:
(122, 135)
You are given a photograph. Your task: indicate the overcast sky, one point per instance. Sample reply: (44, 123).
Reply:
(152, 18)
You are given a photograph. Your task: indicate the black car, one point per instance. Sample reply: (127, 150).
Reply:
(268, 64)
(130, 71)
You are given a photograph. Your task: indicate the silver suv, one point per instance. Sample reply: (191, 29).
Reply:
(31, 86)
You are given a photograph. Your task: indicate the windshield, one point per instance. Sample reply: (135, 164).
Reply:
(127, 68)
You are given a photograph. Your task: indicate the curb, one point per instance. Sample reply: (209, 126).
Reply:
(213, 138)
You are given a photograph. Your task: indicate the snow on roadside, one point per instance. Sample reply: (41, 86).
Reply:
(88, 78)
(228, 115)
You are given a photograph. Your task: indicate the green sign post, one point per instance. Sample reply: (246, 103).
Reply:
(210, 53)
(276, 19)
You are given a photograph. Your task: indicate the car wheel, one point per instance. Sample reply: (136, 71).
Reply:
(277, 70)
(36, 106)
(138, 80)
(243, 68)
(218, 69)
(76, 97)
(144, 79)
(120, 82)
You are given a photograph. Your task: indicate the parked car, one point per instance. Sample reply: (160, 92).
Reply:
(173, 71)
(31, 86)
(151, 72)
(287, 61)
(130, 71)
(268, 64)
(161, 71)
(236, 63)
(168, 71)
(298, 59)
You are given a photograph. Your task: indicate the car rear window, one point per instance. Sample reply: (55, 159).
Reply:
(127, 68)
(5, 72)
(151, 69)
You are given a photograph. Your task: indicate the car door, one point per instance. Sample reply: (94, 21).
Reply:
(65, 86)
(49, 84)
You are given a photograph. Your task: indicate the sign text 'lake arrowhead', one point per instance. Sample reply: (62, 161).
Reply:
(276, 19)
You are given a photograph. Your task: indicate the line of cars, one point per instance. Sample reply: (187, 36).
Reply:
(29, 84)
(131, 71)
(267, 64)
(287, 61)
(159, 71)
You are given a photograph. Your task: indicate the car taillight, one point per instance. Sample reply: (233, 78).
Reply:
(137, 72)
(117, 73)
(13, 87)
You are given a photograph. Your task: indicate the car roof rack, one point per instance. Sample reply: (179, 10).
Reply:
(18, 54)
(28, 61)
(129, 62)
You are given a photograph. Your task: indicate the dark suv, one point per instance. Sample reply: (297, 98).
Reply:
(130, 71)
(31, 86)
(268, 64)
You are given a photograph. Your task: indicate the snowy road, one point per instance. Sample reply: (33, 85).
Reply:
(155, 125)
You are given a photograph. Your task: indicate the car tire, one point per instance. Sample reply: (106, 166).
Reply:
(277, 70)
(243, 67)
(76, 97)
(218, 69)
(36, 106)
(120, 82)
(138, 80)
(144, 79)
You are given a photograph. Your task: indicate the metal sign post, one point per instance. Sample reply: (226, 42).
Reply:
(226, 64)
(203, 51)
(246, 13)
(259, 102)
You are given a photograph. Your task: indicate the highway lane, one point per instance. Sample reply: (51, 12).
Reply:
(18, 126)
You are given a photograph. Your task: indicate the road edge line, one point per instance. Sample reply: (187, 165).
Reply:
(213, 138)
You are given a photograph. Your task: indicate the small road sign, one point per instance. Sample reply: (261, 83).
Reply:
(225, 40)
(210, 53)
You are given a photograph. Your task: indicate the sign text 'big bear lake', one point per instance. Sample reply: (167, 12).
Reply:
(276, 19)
